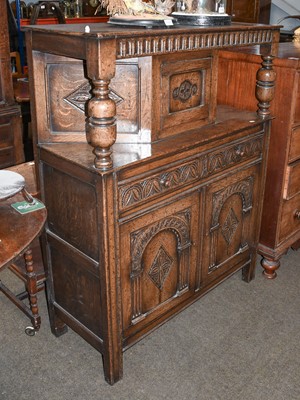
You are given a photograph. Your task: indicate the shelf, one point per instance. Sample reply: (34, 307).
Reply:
(54, 21)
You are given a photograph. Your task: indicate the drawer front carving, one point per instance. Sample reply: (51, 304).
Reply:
(294, 152)
(290, 219)
(292, 183)
(199, 168)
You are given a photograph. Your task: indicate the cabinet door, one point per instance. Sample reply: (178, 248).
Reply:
(158, 263)
(244, 10)
(232, 209)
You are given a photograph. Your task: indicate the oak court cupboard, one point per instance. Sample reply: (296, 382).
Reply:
(153, 190)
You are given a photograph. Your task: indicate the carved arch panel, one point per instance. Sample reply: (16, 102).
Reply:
(158, 265)
(228, 230)
(160, 260)
(229, 225)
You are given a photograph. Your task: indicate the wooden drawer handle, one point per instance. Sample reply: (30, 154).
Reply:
(239, 152)
(297, 214)
(165, 182)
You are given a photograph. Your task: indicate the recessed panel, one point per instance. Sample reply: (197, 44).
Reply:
(68, 92)
(184, 93)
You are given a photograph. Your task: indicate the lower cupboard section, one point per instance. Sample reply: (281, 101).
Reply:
(187, 246)
(115, 276)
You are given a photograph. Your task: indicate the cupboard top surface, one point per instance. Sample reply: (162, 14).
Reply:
(71, 40)
(229, 125)
(106, 30)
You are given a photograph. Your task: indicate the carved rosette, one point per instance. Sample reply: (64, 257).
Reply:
(244, 189)
(179, 224)
(185, 91)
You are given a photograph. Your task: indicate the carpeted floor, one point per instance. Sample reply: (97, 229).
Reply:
(240, 342)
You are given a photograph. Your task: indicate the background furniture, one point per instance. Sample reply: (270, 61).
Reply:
(47, 7)
(22, 96)
(281, 218)
(19, 233)
(16, 68)
(249, 10)
(139, 229)
(54, 21)
(11, 144)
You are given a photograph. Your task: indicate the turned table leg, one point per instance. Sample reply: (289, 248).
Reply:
(32, 289)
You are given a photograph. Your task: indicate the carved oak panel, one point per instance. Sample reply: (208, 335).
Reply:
(68, 91)
(159, 263)
(187, 95)
(229, 226)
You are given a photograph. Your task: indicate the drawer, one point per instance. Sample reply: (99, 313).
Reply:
(6, 157)
(6, 137)
(290, 222)
(294, 152)
(292, 182)
(201, 167)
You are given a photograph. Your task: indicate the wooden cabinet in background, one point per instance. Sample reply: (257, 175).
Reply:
(280, 228)
(54, 21)
(249, 10)
(11, 140)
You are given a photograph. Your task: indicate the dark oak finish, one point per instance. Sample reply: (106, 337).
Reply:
(249, 10)
(171, 205)
(280, 220)
(11, 144)
(53, 21)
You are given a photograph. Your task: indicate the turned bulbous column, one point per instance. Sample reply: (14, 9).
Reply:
(265, 85)
(101, 128)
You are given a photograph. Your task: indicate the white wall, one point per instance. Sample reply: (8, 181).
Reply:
(283, 8)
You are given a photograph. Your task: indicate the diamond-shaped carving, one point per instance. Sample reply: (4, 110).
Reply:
(78, 98)
(230, 226)
(160, 268)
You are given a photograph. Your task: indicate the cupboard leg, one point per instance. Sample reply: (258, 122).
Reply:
(58, 327)
(270, 267)
(296, 245)
(248, 272)
(113, 366)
